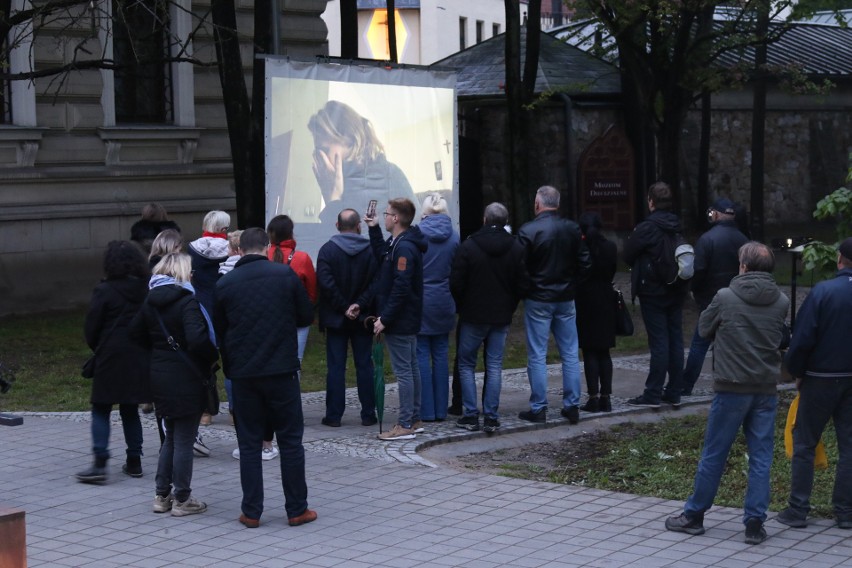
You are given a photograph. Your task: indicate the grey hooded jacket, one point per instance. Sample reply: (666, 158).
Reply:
(746, 320)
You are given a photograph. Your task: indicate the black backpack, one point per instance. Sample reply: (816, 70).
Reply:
(673, 259)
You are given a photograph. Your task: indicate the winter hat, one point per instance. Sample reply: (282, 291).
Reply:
(724, 205)
(845, 248)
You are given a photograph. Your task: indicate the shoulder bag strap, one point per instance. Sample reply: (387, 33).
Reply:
(176, 347)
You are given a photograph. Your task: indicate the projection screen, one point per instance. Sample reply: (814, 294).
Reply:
(339, 135)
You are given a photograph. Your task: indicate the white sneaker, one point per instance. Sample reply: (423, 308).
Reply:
(191, 506)
(236, 454)
(200, 447)
(163, 504)
(269, 453)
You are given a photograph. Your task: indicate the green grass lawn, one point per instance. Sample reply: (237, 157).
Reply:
(660, 460)
(47, 350)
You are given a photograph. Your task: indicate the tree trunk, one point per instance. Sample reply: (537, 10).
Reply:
(237, 107)
(517, 181)
(349, 29)
(394, 57)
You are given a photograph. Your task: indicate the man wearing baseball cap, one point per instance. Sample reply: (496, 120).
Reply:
(820, 359)
(716, 264)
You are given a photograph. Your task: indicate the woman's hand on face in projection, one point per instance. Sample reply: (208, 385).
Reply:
(328, 170)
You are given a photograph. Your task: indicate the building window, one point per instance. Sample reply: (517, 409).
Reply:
(479, 25)
(495, 30)
(142, 76)
(462, 33)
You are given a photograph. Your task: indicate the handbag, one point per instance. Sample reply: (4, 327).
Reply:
(211, 390)
(88, 369)
(623, 320)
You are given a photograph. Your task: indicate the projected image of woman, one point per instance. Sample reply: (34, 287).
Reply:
(350, 163)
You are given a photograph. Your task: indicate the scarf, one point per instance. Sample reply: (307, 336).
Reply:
(166, 280)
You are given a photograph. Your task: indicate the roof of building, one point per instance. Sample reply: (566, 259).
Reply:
(562, 67)
(818, 49)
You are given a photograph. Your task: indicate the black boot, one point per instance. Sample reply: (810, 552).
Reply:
(95, 474)
(133, 466)
(604, 404)
(591, 405)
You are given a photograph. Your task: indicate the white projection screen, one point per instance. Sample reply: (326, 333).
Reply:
(339, 135)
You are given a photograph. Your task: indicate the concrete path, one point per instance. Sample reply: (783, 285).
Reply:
(379, 504)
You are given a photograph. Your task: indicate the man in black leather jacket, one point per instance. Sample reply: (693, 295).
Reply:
(556, 258)
(716, 263)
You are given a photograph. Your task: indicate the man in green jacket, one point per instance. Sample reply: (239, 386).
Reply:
(746, 322)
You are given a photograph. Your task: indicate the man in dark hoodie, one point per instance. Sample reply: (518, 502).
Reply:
(661, 303)
(488, 279)
(746, 322)
(399, 306)
(346, 269)
(716, 264)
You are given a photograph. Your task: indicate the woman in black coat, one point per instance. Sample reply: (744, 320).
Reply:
(121, 367)
(173, 325)
(595, 303)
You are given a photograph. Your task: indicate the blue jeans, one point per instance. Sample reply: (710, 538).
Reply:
(471, 337)
(277, 400)
(663, 319)
(433, 358)
(821, 399)
(540, 319)
(694, 361)
(403, 355)
(175, 464)
(756, 414)
(129, 422)
(302, 339)
(336, 347)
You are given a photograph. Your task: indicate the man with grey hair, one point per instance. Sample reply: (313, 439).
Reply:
(556, 258)
(746, 321)
(820, 359)
(487, 280)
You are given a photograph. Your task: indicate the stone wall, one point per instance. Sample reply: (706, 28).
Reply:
(806, 158)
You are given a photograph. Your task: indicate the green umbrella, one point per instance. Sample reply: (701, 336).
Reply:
(379, 378)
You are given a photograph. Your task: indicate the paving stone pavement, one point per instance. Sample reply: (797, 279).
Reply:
(380, 504)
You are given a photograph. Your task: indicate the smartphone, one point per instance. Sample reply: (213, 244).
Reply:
(371, 209)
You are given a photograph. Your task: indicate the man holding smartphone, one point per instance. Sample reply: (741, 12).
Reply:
(399, 306)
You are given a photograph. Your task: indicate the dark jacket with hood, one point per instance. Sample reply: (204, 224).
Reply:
(439, 310)
(207, 253)
(144, 231)
(399, 288)
(121, 368)
(716, 260)
(557, 257)
(642, 246)
(259, 305)
(489, 277)
(346, 269)
(177, 387)
(819, 348)
(745, 320)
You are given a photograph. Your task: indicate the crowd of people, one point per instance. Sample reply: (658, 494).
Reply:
(159, 325)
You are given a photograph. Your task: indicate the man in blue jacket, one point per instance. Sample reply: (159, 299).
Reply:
(346, 269)
(716, 264)
(259, 305)
(399, 306)
(821, 360)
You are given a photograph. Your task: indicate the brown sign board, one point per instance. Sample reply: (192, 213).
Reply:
(606, 179)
